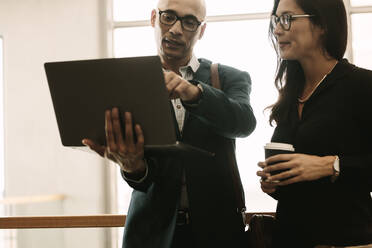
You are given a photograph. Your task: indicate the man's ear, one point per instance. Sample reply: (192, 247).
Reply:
(202, 30)
(153, 17)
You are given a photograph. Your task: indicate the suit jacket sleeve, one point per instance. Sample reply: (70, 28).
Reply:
(144, 183)
(228, 110)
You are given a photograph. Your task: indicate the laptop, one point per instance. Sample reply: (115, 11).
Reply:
(82, 90)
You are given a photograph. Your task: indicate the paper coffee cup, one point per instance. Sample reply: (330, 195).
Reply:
(273, 148)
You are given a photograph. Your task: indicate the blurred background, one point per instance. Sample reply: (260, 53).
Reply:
(38, 176)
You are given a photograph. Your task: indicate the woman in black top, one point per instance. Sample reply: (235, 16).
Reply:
(325, 110)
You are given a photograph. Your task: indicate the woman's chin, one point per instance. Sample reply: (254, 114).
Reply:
(287, 56)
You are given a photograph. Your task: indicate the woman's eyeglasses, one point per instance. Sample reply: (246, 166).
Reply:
(285, 20)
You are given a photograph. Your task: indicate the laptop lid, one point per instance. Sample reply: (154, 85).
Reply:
(82, 90)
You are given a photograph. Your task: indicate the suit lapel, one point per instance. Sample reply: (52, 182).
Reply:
(342, 68)
(203, 73)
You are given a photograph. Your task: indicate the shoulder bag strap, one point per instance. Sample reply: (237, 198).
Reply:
(239, 194)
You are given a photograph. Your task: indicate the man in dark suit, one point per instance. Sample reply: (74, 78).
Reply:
(185, 201)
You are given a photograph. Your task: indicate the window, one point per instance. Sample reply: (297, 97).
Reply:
(361, 3)
(220, 7)
(362, 50)
(142, 45)
(140, 10)
(124, 10)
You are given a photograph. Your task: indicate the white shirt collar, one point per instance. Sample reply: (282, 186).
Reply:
(193, 64)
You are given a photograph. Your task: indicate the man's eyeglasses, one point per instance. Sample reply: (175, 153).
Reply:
(285, 20)
(188, 23)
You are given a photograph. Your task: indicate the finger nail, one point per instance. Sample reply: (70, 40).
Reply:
(84, 142)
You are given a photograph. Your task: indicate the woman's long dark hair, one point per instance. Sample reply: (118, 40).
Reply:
(329, 15)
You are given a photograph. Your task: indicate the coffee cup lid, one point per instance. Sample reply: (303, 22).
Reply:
(279, 146)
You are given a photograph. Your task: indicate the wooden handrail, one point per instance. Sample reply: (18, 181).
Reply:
(107, 220)
(85, 221)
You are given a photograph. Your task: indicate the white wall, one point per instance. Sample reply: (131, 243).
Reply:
(34, 32)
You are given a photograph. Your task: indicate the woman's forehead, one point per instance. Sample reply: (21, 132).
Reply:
(288, 6)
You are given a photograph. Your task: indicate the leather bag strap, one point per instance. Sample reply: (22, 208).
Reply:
(215, 77)
(239, 194)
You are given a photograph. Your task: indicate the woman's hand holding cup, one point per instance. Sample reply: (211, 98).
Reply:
(268, 185)
(285, 167)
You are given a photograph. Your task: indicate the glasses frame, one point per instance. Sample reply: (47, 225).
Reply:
(180, 19)
(274, 20)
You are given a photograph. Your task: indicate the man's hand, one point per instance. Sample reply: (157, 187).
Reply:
(123, 151)
(180, 88)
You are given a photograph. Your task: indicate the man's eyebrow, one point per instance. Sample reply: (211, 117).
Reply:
(174, 12)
